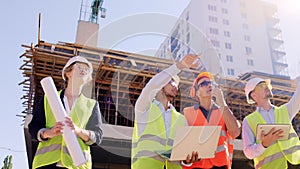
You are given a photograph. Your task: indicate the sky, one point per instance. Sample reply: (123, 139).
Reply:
(59, 22)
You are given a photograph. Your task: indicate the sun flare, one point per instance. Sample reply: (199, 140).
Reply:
(290, 6)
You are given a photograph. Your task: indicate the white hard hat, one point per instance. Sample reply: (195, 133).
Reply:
(250, 86)
(77, 59)
(176, 79)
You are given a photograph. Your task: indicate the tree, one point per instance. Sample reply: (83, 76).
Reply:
(7, 162)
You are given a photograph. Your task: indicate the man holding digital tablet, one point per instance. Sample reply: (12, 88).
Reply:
(270, 151)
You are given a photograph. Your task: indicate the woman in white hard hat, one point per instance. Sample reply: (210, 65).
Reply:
(83, 117)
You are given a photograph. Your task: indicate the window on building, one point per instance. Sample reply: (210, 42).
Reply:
(226, 33)
(224, 10)
(225, 21)
(230, 71)
(179, 57)
(243, 4)
(215, 43)
(213, 19)
(247, 38)
(229, 58)
(187, 16)
(244, 15)
(173, 43)
(188, 38)
(212, 7)
(221, 70)
(250, 62)
(248, 50)
(214, 31)
(227, 45)
(245, 26)
(188, 50)
(187, 27)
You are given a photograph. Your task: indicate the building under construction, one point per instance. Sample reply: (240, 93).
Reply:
(119, 78)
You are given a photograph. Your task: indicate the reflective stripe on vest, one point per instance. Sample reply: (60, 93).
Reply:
(54, 150)
(44, 150)
(281, 151)
(224, 151)
(86, 154)
(146, 154)
(153, 138)
(276, 156)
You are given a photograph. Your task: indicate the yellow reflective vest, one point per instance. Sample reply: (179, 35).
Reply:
(154, 139)
(54, 150)
(276, 155)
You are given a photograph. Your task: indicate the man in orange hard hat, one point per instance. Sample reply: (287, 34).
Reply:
(207, 112)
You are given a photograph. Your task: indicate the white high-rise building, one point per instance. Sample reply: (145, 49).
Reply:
(244, 33)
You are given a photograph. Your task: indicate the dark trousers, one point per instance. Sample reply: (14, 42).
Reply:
(51, 166)
(291, 166)
(215, 167)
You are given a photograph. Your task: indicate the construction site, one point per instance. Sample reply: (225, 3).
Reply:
(118, 79)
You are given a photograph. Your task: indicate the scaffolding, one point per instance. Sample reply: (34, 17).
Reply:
(119, 78)
(128, 73)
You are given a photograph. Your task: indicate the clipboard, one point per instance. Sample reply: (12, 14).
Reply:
(268, 127)
(203, 139)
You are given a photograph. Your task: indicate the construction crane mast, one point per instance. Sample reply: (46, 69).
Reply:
(90, 9)
(96, 7)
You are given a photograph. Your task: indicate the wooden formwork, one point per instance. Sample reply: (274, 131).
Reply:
(119, 77)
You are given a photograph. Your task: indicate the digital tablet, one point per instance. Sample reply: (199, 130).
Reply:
(267, 127)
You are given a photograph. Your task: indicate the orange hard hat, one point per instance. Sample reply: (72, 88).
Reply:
(200, 76)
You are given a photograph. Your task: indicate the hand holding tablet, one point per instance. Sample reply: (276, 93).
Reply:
(284, 129)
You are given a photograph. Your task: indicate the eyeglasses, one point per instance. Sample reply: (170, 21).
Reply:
(173, 84)
(205, 83)
(81, 66)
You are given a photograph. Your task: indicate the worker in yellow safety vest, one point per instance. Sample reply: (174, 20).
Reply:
(210, 112)
(83, 117)
(156, 119)
(269, 152)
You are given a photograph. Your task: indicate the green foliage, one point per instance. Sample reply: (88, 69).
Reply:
(7, 162)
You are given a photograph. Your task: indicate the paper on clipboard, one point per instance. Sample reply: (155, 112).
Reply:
(268, 127)
(203, 139)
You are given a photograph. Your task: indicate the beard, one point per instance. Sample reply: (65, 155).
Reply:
(169, 95)
(269, 94)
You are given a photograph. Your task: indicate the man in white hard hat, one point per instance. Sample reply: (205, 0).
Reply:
(269, 152)
(83, 116)
(156, 119)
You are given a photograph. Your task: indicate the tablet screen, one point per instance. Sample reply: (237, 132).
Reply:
(267, 127)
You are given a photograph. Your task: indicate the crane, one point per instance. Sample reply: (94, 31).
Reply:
(96, 7)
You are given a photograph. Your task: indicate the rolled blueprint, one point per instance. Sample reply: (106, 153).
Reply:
(60, 115)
